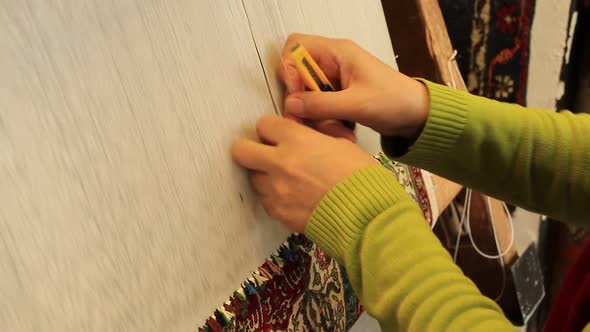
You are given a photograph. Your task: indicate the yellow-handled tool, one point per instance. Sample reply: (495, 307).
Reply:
(311, 73)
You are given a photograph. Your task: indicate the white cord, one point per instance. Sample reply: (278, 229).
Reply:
(500, 255)
(452, 84)
(510, 222)
(466, 207)
(465, 216)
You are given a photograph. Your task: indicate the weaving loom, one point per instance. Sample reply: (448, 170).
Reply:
(121, 207)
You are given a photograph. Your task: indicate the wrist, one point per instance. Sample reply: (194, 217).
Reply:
(408, 106)
(416, 109)
(398, 143)
(446, 120)
(421, 110)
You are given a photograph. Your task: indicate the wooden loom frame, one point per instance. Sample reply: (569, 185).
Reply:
(422, 44)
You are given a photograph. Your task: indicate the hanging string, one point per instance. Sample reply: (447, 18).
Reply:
(466, 222)
(452, 84)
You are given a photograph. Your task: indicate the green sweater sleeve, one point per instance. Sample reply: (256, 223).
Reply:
(536, 159)
(398, 268)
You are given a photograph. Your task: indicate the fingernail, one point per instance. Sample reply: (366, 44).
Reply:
(294, 105)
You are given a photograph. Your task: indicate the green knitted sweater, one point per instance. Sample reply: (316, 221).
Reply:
(536, 159)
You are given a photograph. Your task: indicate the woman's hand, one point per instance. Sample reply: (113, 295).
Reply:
(372, 94)
(295, 167)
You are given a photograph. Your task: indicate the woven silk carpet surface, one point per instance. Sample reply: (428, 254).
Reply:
(121, 207)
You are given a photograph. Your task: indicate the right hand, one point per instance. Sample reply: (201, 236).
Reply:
(373, 93)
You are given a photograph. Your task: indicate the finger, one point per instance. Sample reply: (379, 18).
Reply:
(261, 182)
(274, 129)
(335, 129)
(292, 79)
(253, 155)
(290, 76)
(292, 117)
(270, 206)
(294, 218)
(342, 105)
(276, 209)
(323, 50)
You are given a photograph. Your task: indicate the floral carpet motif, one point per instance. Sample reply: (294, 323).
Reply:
(300, 288)
(492, 38)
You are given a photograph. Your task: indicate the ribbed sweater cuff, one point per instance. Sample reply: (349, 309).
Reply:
(338, 221)
(445, 124)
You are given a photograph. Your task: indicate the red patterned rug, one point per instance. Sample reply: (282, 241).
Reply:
(492, 38)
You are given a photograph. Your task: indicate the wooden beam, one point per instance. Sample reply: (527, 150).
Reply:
(421, 41)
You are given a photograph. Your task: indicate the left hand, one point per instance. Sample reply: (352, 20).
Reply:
(295, 166)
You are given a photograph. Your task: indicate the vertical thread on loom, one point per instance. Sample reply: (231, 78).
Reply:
(251, 30)
(465, 220)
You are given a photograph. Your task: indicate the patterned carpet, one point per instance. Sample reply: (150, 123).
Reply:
(493, 39)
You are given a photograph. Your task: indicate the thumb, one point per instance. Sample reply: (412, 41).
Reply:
(341, 105)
